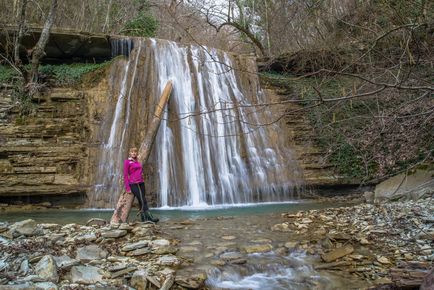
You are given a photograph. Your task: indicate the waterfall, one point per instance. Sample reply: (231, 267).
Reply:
(212, 146)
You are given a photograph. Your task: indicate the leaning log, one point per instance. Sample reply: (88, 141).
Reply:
(125, 201)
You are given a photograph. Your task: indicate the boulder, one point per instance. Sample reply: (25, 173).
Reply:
(114, 233)
(45, 286)
(65, 262)
(46, 269)
(408, 186)
(26, 227)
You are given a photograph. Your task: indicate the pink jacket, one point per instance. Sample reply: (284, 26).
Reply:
(132, 173)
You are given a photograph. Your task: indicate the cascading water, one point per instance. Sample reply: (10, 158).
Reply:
(212, 147)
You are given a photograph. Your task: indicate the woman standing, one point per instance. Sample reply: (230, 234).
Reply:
(134, 182)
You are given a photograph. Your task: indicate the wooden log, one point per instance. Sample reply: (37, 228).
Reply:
(125, 201)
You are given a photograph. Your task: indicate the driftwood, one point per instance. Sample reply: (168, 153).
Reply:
(125, 201)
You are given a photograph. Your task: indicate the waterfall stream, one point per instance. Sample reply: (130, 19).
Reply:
(212, 146)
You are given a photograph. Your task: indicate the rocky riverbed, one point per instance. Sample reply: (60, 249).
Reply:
(355, 246)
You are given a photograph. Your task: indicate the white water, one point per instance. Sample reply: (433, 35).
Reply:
(207, 152)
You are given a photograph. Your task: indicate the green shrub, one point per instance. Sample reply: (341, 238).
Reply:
(143, 25)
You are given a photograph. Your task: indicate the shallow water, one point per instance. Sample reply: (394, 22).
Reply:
(81, 216)
(206, 233)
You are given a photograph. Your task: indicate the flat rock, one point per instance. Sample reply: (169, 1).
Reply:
(114, 234)
(283, 227)
(229, 256)
(90, 252)
(134, 246)
(337, 253)
(259, 248)
(86, 274)
(228, 238)
(65, 262)
(139, 252)
(168, 260)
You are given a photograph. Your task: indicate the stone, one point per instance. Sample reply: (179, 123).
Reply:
(134, 246)
(337, 253)
(160, 243)
(45, 286)
(46, 269)
(291, 245)
(168, 260)
(122, 272)
(90, 252)
(139, 252)
(86, 274)
(114, 234)
(259, 248)
(164, 250)
(283, 227)
(192, 281)
(168, 282)
(230, 256)
(65, 262)
(138, 280)
(96, 222)
(228, 238)
(24, 267)
(369, 196)
(25, 227)
(87, 237)
(407, 186)
(364, 241)
(383, 260)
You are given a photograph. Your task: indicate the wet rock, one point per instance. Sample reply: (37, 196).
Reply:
(113, 234)
(22, 286)
(191, 282)
(260, 248)
(65, 262)
(283, 227)
(337, 253)
(230, 256)
(46, 269)
(291, 245)
(90, 252)
(189, 249)
(168, 260)
(96, 222)
(86, 274)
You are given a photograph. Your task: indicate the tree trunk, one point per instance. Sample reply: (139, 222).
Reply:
(106, 26)
(18, 39)
(125, 201)
(38, 50)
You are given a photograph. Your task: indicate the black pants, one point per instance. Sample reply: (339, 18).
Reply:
(138, 189)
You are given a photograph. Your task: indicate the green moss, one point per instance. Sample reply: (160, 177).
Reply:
(70, 74)
(7, 74)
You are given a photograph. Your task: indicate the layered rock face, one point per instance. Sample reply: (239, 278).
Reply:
(46, 155)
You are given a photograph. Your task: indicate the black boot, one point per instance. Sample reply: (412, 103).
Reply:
(149, 217)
